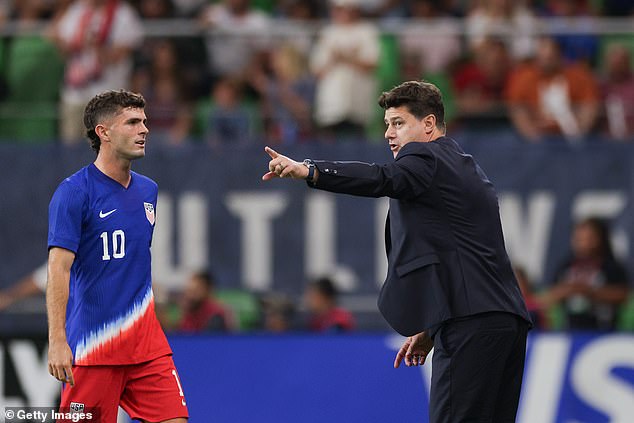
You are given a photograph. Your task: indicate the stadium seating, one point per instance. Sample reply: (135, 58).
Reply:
(244, 305)
(33, 72)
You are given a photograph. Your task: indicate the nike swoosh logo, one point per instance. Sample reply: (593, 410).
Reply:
(102, 214)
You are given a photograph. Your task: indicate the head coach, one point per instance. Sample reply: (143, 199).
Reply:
(449, 285)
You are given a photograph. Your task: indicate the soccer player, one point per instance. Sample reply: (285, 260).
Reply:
(105, 342)
(450, 285)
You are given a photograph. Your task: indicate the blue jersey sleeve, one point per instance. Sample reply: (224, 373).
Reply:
(65, 217)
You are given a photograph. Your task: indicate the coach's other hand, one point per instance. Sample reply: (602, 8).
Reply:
(283, 167)
(414, 350)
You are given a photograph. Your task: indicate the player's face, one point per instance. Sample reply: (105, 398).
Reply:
(403, 127)
(127, 133)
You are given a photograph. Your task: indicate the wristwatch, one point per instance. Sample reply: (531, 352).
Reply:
(311, 169)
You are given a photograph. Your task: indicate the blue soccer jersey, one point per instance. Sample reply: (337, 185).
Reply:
(110, 318)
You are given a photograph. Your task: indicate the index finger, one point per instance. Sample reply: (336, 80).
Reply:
(69, 375)
(271, 152)
(399, 357)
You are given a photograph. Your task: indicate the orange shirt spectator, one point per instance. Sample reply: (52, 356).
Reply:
(548, 97)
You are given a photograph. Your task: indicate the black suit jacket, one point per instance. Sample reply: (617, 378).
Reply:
(443, 236)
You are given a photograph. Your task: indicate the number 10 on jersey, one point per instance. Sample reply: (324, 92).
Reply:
(118, 244)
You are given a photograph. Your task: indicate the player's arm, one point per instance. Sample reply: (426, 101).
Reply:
(60, 356)
(407, 177)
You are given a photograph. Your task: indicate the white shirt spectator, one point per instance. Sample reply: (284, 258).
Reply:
(344, 91)
(435, 48)
(518, 27)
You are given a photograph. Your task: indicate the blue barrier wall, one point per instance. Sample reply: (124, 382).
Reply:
(584, 378)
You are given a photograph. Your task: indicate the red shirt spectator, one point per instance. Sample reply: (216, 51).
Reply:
(479, 84)
(336, 319)
(325, 315)
(201, 312)
(208, 316)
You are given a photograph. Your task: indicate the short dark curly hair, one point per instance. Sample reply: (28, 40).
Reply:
(106, 105)
(421, 98)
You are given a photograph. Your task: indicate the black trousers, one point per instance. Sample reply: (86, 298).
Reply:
(478, 365)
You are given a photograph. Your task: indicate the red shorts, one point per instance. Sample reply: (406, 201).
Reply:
(148, 391)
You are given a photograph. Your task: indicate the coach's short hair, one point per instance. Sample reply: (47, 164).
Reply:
(105, 105)
(421, 98)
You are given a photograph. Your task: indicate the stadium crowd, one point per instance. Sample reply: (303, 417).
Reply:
(290, 71)
(302, 71)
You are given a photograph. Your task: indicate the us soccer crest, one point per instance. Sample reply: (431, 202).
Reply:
(77, 407)
(149, 212)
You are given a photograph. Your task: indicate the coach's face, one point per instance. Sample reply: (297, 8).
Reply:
(403, 127)
(126, 133)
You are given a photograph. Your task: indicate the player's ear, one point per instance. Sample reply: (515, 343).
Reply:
(101, 131)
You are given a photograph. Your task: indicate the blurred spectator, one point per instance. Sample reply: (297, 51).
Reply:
(188, 8)
(32, 284)
(286, 89)
(277, 313)
(297, 16)
(98, 38)
(591, 283)
(163, 86)
(302, 10)
(344, 61)
(230, 122)
(241, 31)
(431, 51)
(190, 49)
(576, 39)
(201, 311)
(533, 302)
(5, 11)
(618, 92)
(512, 20)
(549, 98)
(325, 315)
(155, 9)
(479, 84)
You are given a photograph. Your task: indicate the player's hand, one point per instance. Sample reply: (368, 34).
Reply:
(415, 350)
(60, 362)
(283, 167)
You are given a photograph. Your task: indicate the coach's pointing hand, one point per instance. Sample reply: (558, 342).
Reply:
(283, 167)
(414, 350)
